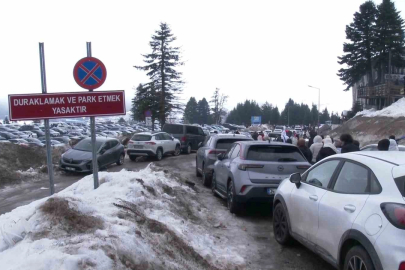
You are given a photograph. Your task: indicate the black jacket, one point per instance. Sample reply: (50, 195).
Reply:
(347, 148)
(306, 152)
(325, 152)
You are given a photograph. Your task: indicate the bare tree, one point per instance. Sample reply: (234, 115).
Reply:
(218, 100)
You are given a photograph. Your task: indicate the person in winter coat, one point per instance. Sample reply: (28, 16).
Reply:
(328, 149)
(383, 145)
(304, 150)
(315, 147)
(255, 135)
(348, 146)
(393, 145)
(312, 135)
(294, 139)
(260, 137)
(338, 145)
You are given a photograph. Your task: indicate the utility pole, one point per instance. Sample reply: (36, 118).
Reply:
(319, 100)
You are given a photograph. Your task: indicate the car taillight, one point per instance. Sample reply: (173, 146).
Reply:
(402, 266)
(303, 167)
(243, 167)
(183, 139)
(395, 213)
(150, 143)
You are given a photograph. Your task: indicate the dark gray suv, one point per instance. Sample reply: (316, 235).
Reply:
(189, 136)
(207, 154)
(79, 158)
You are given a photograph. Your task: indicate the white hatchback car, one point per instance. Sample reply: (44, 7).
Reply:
(348, 208)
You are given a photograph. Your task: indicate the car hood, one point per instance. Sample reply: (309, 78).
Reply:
(77, 155)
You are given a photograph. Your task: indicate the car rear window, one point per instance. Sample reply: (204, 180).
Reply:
(173, 129)
(141, 138)
(274, 153)
(226, 143)
(400, 181)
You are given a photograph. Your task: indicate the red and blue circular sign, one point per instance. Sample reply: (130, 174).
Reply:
(89, 73)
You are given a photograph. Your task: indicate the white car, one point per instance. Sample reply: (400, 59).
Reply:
(153, 144)
(348, 208)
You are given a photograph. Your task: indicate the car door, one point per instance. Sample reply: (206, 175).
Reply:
(115, 153)
(105, 156)
(339, 207)
(201, 137)
(169, 142)
(303, 208)
(221, 170)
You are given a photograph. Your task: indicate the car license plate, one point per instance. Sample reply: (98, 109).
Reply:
(271, 191)
(70, 169)
(138, 146)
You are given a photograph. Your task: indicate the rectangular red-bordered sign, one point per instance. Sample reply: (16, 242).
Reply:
(66, 105)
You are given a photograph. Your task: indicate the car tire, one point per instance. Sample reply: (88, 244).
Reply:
(132, 158)
(281, 226)
(188, 150)
(233, 206)
(121, 160)
(356, 257)
(197, 173)
(206, 180)
(159, 154)
(214, 184)
(177, 151)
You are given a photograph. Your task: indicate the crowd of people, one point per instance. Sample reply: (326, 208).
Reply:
(317, 147)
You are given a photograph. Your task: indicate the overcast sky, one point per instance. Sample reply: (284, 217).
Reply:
(261, 50)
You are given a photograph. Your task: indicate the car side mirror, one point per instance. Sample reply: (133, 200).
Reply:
(296, 179)
(220, 156)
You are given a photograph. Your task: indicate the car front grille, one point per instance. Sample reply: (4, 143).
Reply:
(71, 161)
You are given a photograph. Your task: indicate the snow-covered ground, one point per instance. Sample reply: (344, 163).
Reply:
(134, 220)
(395, 110)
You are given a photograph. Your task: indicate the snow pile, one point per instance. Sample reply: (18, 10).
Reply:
(31, 172)
(396, 110)
(134, 220)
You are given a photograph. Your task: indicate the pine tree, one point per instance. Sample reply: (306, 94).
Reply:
(275, 116)
(314, 114)
(190, 112)
(161, 66)
(359, 51)
(266, 113)
(203, 109)
(145, 100)
(324, 116)
(390, 37)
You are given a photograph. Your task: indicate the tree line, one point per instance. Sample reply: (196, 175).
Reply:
(375, 38)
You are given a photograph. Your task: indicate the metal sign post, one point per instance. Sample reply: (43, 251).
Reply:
(93, 134)
(47, 135)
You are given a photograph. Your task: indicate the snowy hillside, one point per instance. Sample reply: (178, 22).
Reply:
(134, 220)
(396, 110)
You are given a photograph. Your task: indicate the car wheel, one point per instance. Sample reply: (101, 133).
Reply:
(197, 173)
(214, 184)
(280, 225)
(188, 150)
(233, 206)
(121, 160)
(358, 259)
(132, 158)
(159, 154)
(206, 179)
(177, 151)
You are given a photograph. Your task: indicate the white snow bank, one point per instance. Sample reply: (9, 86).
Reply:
(395, 110)
(141, 220)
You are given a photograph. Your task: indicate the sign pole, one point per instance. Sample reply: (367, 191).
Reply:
(47, 135)
(93, 134)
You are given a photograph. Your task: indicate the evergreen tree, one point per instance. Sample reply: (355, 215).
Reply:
(359, 51)
(357, 107)
(324, 116)
(190, 112)
(145, 99)
(218, 100)
(266, 113)
(161, 66)
(390, 37)
(314, 114)
(335, 119)
(6, 121)
(203, 109)
(275, 116)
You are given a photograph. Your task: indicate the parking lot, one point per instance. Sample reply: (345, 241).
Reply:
(251, 233)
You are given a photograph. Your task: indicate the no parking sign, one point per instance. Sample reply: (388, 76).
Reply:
(89, 73)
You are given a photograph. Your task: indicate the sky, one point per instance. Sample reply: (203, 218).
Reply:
(259, 50)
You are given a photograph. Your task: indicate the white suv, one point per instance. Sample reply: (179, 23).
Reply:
(152, 144)
(349, 208)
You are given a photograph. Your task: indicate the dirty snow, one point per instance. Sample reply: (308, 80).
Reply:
(134, 220)
(395, 110)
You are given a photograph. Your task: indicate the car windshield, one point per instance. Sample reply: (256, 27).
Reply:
(226, 143)
(141, 138)
(274, 153)
(85, 145)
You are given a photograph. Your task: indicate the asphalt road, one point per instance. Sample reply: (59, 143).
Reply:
(250, 234)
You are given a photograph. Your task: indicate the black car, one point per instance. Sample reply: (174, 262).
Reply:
(79, 158)
(189, 136)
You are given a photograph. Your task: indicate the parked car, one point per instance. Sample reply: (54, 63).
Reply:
(54, 143)
(348, 208)
(79, 158)
(34, 142)
(27, 128)
(39, 133)
(252, 170)
(30, 134)
(8, 135)
(19, 134)
(189, 136)
(2, 138)
(207, 154)
(152, 144)
(374, 147)
(19, 141)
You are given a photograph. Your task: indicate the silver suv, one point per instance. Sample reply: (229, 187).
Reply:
(252, 171)
(348, 208)
(207, 154)
(152, 144)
